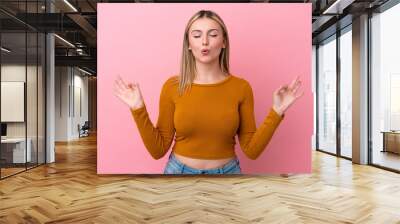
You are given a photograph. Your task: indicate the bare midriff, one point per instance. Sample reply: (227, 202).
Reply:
(203, 163)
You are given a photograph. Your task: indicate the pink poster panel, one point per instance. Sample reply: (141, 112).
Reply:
(270, 44)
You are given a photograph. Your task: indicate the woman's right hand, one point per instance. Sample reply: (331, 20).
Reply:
(129, 93)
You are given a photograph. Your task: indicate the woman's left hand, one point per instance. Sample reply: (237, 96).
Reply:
(286, 96)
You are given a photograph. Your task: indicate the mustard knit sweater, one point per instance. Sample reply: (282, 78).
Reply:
(205, 121)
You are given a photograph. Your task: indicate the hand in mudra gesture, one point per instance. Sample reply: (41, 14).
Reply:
(286, 95)
(129, 93)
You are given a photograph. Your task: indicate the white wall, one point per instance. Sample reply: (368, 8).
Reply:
(80, 83)
(71, 93)
(62, 80)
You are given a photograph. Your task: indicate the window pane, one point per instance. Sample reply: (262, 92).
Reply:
(327, 96)
(386, 88)
(346, 93)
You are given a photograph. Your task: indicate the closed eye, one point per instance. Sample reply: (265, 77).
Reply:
(210, 35)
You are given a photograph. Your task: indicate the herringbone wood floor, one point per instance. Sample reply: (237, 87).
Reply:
(70, 191)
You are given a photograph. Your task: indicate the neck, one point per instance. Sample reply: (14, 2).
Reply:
(208, 72)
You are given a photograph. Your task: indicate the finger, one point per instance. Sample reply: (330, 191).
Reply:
(126, 86)
(119, 85)
(137, 86)
(301, 94)
(284, 89)
(297, 86)
(120, 97)
(278, 89)
(118, 90)
(119, 79)
(134, 85)
(293, 82)
(119, 82)
(296, 82)
(122, 82)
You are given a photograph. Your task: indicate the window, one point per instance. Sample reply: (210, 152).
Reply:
(346, 74)
(385, 88)
(327, 95)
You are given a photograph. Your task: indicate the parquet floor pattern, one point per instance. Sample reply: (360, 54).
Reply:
(70, 191)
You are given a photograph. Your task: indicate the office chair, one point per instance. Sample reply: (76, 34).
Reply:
(84, 130)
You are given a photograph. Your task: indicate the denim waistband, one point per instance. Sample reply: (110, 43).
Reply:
(228, 166)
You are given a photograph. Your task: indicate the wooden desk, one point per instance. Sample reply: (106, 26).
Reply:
(391, 141)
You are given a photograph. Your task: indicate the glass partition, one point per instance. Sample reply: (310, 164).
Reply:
(22, 78)
(13, 108)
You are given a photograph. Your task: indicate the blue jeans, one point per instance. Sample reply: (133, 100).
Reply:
(174, 166)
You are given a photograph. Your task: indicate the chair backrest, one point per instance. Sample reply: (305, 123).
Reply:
(86, 125)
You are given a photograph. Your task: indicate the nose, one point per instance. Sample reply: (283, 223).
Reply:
(205, 40)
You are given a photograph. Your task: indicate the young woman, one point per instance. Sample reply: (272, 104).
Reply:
(205, 106)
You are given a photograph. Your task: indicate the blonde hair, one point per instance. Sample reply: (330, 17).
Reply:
(188, 65)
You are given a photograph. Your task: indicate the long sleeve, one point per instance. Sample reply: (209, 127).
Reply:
(254, 140)
(157, 139)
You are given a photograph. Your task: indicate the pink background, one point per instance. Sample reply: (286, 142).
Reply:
(270, 45)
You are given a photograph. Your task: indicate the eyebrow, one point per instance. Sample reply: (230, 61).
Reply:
(200, 30)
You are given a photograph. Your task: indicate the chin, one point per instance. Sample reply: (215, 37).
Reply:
(207, 60)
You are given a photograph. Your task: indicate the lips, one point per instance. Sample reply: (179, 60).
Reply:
(205, 51)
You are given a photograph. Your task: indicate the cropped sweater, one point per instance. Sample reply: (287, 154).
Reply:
(205, 121)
